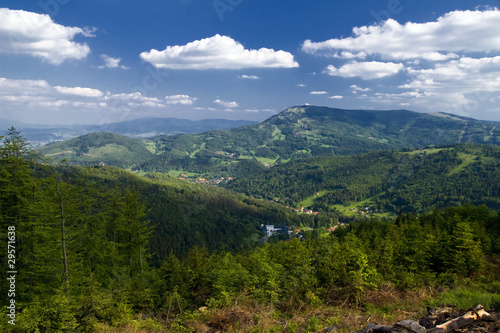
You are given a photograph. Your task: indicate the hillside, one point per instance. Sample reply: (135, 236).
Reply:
(307, 131)
(185, 215)
(113, 252)
(386, 181)
(138, 128)
(96, 148)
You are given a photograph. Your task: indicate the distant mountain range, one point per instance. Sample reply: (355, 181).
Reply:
(103, 148)
(297, 132)
(306, 131)
(138, 128)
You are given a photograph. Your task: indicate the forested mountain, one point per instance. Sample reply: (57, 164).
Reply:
(83, 241)
(307, 131)
(138, 128)
(99, 249)
(99, 148)
(412, 180)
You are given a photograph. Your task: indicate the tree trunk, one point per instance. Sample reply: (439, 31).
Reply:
(475, 314)
(63, 238)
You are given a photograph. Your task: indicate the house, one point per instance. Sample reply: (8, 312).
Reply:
(271, 230)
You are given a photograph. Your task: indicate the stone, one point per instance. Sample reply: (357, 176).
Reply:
(408, 326)
(372, 328)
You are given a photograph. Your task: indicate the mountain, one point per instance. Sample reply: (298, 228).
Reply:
(306, 131)
(150, 127)
(138, 128)
(385, 181)
(99, 148)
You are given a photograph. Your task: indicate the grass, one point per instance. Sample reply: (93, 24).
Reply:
(428, 151)
(309, 201)
(467, 160)
(152, 147)
(177, 173)
(351, 209)
(264, 160)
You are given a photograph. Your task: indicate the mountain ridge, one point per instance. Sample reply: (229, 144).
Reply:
(306, 131)
(139, 128)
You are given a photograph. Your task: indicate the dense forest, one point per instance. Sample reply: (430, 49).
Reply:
(100, 249)
(95, 148)
(307, 131)
(409, 180)
(295, 133)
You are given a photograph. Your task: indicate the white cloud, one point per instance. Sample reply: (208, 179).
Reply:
(180, 99)
(356, 88)
(259, 110)
(23, 32)
(457, 82)
(350, 55)
(78, 91)
(226, 104)
(301, 85)
(365, 70)
(201, 108)
(217, 52)
(134, 99)
(457, 31)
(250, 77)
(336, 97)
(452, 64)
(110, 62)
(38, 95)
(318, 93)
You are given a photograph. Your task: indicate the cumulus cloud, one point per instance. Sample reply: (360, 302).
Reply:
(78, 91)
(318, 93)
(457, 31)
(226, 104)
(110, 62)
(355, 88)
(451, 64)
(250, 77)
(365, 70)
(457, 82)
(33, 34)
(217, 52)
(301, 85)
(180, 99)
(38, 95)
(336, 97)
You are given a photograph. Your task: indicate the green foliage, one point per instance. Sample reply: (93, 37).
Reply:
(95, 148)
(385, 181)
(305, 131)
(467, 298)
(52, 314)
(100, 247)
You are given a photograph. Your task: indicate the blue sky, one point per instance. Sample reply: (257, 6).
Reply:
(98, 61)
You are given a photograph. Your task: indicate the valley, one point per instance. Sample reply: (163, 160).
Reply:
(306, 218)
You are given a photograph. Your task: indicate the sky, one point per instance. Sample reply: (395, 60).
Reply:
(68, 62)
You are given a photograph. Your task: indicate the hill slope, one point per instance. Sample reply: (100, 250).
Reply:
(388, 181)
(186, 215)
(96, 148)
(307, 131)
(139, 128)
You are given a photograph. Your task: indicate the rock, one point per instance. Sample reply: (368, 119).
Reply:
(372, 328)
(437, 316)
(328, 329)
(408, 326)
